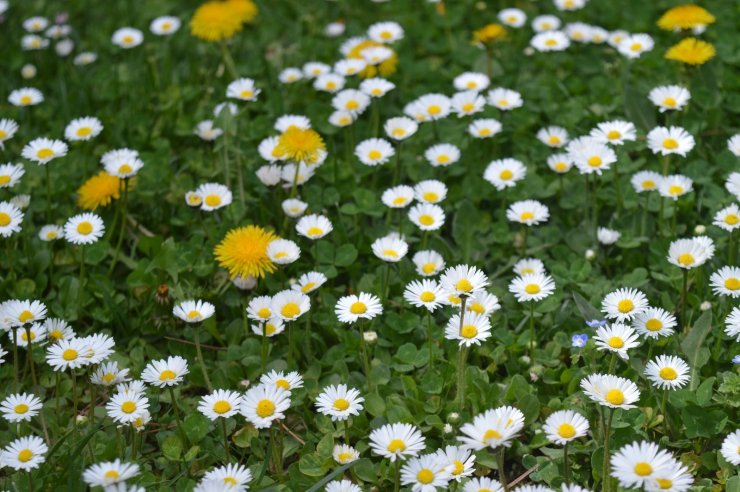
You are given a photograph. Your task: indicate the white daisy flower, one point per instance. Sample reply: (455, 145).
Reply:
(193, 311)
(374, 151)
(10, 219)
(593, 157)
(376, 87)
(463, 280)
(126, 406)
(528, 212)
(440, 155)
(634, 45)
(467, 103)
(243, 89)
(351, 308)
(671, 140)
(669, 97)
(20, 407)
(532, 287)
(98, 347)
(667, 372)
(607, 236)
(398, 196)
(543, 23)
(283, 251)
(428, 263)
(728, 218)
(634, 464)
(484, 128)
(624, 304)
(424, 293)
(733, 143)
(425, 473)
(289, 304)
(471, 81)
(512, 17)
(400, 128)
(476, 328)
(351, 100)
(24, 453)
(43, 150)
(164, 25)
(460, 462)
(17, 313)
(560, 163)
(385, 32)
(733, 184)
(290, 75)
(610, 391)
(127, 37)
(288, 382)
(564, 426)
(674, 478)
(342, 486)
(262, 404)
(553, 136)
(35, 24)
(165, 372)
(351, 66)
(109, 374)
(215, 196)
(235, 476)
(482, 484)
(220, 404)
(309, 282)
(616, 37)
(654, 323)
(483, 303)
(314, 226)
(614, 132)
(341, 118)
(550, 41)
(391, 249)
(8, 128)
(329, 82)
(529, 265)
(492, 428)
(690, 252)
(287, 121)
(646, 181)
(427, 216)
(81, 129)
(67, 354)
(26, 96)
(396, 441)
(504, 99)
(314, 69)
(343, 454)
(260, 308)
(58, 329)
(84, 228)
(726, 281)
(616, 338)
(85, 58)
(34, 334)
(731, 447)
(269, 328)
(578, 32)
(505, 173)
(339, 402)
(430, 191)
(109, 473)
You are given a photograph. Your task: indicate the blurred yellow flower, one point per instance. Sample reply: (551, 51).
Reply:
(691, 51)
(489, 33)
(243, 252)
(218, 20)
(384, 69)
(246, 10)
(299, 145)
(98, 191)
(685, 16)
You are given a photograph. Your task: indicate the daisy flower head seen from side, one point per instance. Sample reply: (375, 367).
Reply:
(634, 45)
(564, 426)
(193, 311)
(309, 282)
(504, 99)
(550, 41)
(442, 155)
(528, 212)
(43, 150)
(691, 252)
(553, 136)
(127, 37)
(283, 251)
(352, 308)
(643, 181)
(82, 129)
(467, 103)
(243, 89)
(484, 128)
(471, 81)
(233, 476)
(339, 402)
(615, 132)
(463, 280)
(670, 140)
(109, 473)
(27, 96)
(165, 25)
(669, 97)
(343, 454)
(610, 391)
(289, 382)
(428, 263)
(476, 328)
(560, 163)
(397, 441)
(8, 128)
(492, 428)
(290, 304)
(165, 372)
(390, 248)
(425, 473)
(427, 216)
(314, 226)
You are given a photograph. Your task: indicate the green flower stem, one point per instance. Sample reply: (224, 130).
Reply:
(81, 282)
(684, 292)
(48, 192)
(228, 60)
(14, 339)
(500, 463)
(264, 347)
(365, 359)
(122, 232)
(202, 363)
(430, 338)
(566, 464)
(346, 431)
(309, 355)
(176, 410)
(462, 360)
(397, 476)
(226, 440)
(532, 343)
(605, 464)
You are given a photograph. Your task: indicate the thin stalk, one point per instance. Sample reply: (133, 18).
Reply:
(122, 232)
(264, 348)
(430, 339)
(500, 465)
(226, 440)
(673, 219)
(566, 464)
(15, 359)
(48, 193)
(81, 282)
(202, 363)
(309, 355)
(605, 463)
(228, 60)
(643, 222)
(74, 397)
(346, 431)
(365, 359)
(612, 363)
(397, 476)
(397, 175)
(462, 360)
(684, 289)
(176, 409)
(531, 330)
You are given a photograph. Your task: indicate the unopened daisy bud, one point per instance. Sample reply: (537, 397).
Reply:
(705, 306)
(244, 283)
(448, 429)
(370, 336)
(525, 360)
(28, 71)
(590, 254)
(81, 420)
(700, 229)
(528, 51)
(453, 417)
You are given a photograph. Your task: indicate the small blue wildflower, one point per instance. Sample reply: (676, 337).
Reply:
(579, 340)
(736, 359)
(596, 323)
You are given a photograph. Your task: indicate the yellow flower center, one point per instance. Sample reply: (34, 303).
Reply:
(25, 336)
(344, 457)
(166, 26)
(670, 102)
(664, 483)
(352, 104)
(83, 131)
(625, 306)
(399, 200)
(506, 175)
(69, 354)
(675, 190)
(25, 455)
(112, 474)
(732, 219)
(428, 268)
(21, 408)
(636, 46)
(503, 102)
(648, 184)
(51, 235)
(615, 397)
(264, 313)
(732, 283)
(396, 446)
(315, 231)
(532, 289)
(427, 296)
(643, 469)
(283, 383)
(616, 342)
(167, 375)
(511, 19)
(594, 161)
(374, 155)
(468, 107)
(128, 39)
(560, 166)
(128, 407)
(464, 285)
(290, 310)
(654, 324)
(430, 196)
(127, 169)
(376, 92)
(434, 109)
(44, 153)
(4, 179)
(426, 219)
(307, 288)
(109, 377)
(553, 140)
(491, 434)
(670, 143)
(398, 132)
(458, 467)
(526, 216)
(686, 259)
(221, 407)
(26, 100)
(25, 316)
(443, 159)
(613, 135)
(341, 404)
(358, 308)
(270, 329)
(193, 314)
(213, 200)
(484, 132)
(246, 94)
(469, 331)
(425, 476)
(550, 42)
(668, 373)
(265, 408)
(84, 228)
(566, 431)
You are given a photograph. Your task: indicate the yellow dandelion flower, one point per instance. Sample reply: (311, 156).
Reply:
(215, 21)
(685, 16)
(383, 69)
(246, 10)
(243, 252)
(691, 51)
(489, 33)
(98, 191)
(299, 145)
